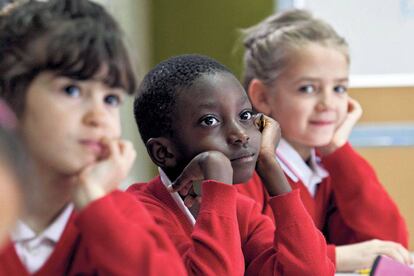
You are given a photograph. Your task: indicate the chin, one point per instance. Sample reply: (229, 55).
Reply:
(242, 176)
(320, 140)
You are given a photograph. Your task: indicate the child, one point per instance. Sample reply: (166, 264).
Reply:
(11, 161)
(199, 128)
(296, 71)
(65, 71)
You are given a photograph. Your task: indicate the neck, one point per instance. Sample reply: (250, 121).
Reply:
(49, 193)
(303, 150)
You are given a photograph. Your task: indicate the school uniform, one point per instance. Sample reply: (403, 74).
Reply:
(113, 235)
(341, 193)
(232, 237)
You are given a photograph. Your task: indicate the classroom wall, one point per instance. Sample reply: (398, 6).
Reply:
(394, 165)
(204, 27)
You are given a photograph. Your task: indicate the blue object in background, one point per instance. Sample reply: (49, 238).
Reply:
(383, 135)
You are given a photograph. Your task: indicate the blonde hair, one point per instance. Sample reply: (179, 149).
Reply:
(269, 44)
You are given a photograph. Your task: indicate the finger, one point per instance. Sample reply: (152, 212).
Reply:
(182, 184)
(111, 148)
(354, 107)
(185, 190)
(270, 123)
(190, 173)
(392, 252)
(127, 151)
(260, 122)
(404, 253)
(189, 201)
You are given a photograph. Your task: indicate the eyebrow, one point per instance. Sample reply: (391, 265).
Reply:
(317, 79)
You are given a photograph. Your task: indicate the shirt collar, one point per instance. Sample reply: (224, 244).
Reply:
(167, 183)
(53, 232)
(297, 169)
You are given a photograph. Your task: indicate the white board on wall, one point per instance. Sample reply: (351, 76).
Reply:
(380, 34)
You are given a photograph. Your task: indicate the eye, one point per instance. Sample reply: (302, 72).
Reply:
(113, 100)
(246, 115)
(72, 90)
(209, 121)
(340, 89)
(307, 89)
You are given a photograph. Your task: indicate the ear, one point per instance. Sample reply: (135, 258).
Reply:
(258, 94)
(162, 152)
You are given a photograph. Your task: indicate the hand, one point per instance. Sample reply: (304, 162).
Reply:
(343, 131)
(209, 165)
(103, 176)
(267, 166)
(362, 255)
(271, 135)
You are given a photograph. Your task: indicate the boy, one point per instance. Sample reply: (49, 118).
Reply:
(64, 71)
(198, 126)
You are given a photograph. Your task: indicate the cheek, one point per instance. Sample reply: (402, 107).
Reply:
(255, 138)
(115, 127)
(342, 110)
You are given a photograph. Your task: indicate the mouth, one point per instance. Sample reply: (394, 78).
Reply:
(94, 146)
(322, 123)
(243, 157)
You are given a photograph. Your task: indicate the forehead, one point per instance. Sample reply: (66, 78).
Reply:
(315, 60)
(220, 88)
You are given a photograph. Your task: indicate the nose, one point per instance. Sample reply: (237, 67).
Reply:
(238, 134)
(95, 115)
(325, 100)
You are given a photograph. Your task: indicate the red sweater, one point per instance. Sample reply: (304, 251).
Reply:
(232, 237)
(112, 236)
(349, 206)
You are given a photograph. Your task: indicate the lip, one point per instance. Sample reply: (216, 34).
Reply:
(93, 145)
(243, 157)
(322, 122)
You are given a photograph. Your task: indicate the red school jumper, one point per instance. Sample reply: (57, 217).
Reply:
(232, 237)
(112, 236)
(350, 205)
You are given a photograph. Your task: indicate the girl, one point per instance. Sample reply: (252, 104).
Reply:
(296, 71)
(64, 70)
(11, 161)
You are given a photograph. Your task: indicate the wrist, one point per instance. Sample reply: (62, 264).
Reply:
(272, 176)
(83, 195)
(266, 160)
(331, 147)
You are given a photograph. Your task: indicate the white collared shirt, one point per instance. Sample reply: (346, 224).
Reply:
(297, 169)
(167, 182)
(33, 250)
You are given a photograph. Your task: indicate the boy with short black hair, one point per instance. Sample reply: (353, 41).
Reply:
(64, 70)
(200, 129)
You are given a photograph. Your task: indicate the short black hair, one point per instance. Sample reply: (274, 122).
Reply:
(157, 94)
(72, 38)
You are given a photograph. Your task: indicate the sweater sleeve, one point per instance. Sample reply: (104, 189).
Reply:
(362, 208)
(212, 246)
(122, 238)
(296, 247)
